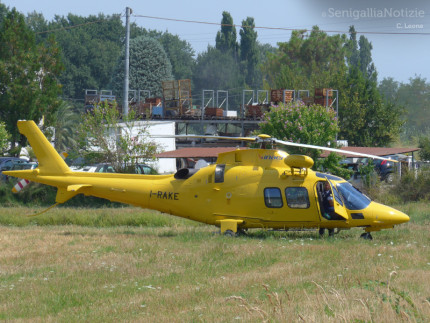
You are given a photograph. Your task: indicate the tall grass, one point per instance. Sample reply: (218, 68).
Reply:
(99, 217)
(167, 269)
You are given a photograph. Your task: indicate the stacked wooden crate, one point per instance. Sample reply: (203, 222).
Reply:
(323, 96)
(254, 111)
(214, 112)
(281, 95)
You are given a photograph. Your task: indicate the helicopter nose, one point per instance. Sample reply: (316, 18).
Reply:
(388, 215)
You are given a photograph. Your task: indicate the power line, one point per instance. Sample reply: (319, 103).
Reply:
(280, 28)
(238, 26)
(69, 27)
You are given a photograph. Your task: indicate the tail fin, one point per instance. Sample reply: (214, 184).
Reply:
(50, 162)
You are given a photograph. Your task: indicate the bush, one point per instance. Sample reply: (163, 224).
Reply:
(36, 194)
(413, 187)
(424, 144)
(410, 187)
(6, 195)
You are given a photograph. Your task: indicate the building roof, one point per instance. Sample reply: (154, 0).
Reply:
(196, 152)
(377, 151)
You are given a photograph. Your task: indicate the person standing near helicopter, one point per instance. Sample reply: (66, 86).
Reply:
(328, 207)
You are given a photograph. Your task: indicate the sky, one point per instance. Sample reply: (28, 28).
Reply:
(401, 44)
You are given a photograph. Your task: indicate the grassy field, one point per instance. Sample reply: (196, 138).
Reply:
(127, 264)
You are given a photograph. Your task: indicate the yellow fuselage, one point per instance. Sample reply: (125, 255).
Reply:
(239, 196)
(249, 188)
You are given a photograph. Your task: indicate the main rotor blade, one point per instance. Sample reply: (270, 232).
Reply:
(251, 139)
(289, 143)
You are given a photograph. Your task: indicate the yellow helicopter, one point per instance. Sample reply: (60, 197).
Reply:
(245, 188)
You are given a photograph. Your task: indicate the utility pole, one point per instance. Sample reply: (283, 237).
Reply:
(127, 60)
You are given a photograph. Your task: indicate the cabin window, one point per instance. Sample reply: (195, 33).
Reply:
(219, 173)
(273, 197)
(297, 197)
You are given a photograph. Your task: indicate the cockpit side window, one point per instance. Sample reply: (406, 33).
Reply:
(354, 199)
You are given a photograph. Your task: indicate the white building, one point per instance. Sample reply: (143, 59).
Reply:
(155, 128)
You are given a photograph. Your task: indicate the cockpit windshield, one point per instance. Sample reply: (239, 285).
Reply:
(353, 198)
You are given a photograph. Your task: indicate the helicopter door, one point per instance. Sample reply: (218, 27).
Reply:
(339, 207)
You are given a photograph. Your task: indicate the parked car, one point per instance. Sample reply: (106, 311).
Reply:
(385, 169)
(96, 168)
(6, 163)
(145, 169)
(19, 165)
(106, 168)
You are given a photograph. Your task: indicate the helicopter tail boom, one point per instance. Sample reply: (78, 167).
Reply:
(53, 171)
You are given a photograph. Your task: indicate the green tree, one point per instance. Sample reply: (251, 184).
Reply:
(121, 141)
(4, 138)
(331, 164)
(388, 88)
(351, 45)
(263, 51)
(307, 62)
(367, 67)
(89, 52)
(3, 12)
(226, 38)
(249, 53)
(29, 87)
(180, 55)
(179, 52)
(65, 122)
(424, 144)
(359, 54)
(216, 70)
(365, 118)
(149, 66)
(353, 117)
(297, 122)
(320, 61)
(38, 24)
(415, 97)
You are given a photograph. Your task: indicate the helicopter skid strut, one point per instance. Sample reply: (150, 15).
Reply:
(331, 232)
(366, 236)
